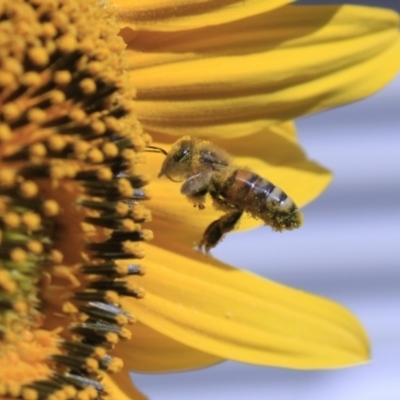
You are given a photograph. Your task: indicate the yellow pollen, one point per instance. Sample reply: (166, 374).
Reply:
(95, 156)
(13, 66)
(7, 178)
(125, 334)
(58, 171)
(38, 56)
(122, 320)
(10, 111)
(69, 308)
(67, 43)
(122, 209)
(147, 217)
(88, 86)
(28, 189)
(104, 174)
(31, 79)
(56, 256)
(62, 78)
(92, 365)
(37, 150)
(12, 219)
(80, 149)
(36, 115)
(48, 30)
(111, 297)
(98, 127)
(112, 337)
(20, 307)
(115, 365)
(51, 208)
(35, 247)
(7, 80)
(110, 150)
(5, 132)
(60, 202)
(57, 97)
(70, 391)
(6, 282)
(100, 352)
(14, 389)
(56, 143)
(31, 220)
(78, 115)
(129, 226)
(91, 393)
(140, 144)
(86, 46)
(95, 67)
(112, 123)
(30, 394)
(128, 154)
(147, 234)
(125, 187)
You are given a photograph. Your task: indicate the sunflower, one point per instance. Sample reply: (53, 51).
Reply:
(75, 117)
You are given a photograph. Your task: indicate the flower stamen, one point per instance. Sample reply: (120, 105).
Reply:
(69, 193)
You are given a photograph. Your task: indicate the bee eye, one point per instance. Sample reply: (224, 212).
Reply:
(179, 155)
(183, 152)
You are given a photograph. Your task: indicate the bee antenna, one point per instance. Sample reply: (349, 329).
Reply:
(154, 149)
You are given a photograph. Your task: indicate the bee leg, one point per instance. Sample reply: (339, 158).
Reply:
(198, 200)
(195, 188)
(216, 230)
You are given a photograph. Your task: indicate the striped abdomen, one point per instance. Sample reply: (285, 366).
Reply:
(262, 199)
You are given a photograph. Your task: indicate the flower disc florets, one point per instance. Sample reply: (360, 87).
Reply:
(68, 197)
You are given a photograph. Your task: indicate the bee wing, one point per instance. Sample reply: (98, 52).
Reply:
(196, 184)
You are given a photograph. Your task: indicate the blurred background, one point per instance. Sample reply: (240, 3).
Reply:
(348, 250)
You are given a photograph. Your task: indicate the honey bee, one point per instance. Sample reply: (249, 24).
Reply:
(207, 169)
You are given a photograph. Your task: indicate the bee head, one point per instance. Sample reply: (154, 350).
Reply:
(178, 161)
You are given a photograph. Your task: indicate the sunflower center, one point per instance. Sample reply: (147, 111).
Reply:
(69, 197)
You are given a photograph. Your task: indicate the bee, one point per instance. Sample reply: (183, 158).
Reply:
(206, 169)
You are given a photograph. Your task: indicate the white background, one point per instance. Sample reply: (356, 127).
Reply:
(348, 250)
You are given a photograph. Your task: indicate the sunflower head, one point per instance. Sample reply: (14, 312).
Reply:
(68, 197)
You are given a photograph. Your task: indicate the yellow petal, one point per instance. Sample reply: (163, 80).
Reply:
(120, 387)
(235, 315)
(237, 78)
(155, 352)
(274, 154)
(170, 15)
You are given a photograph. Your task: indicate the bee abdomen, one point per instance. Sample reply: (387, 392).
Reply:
(262, 199)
